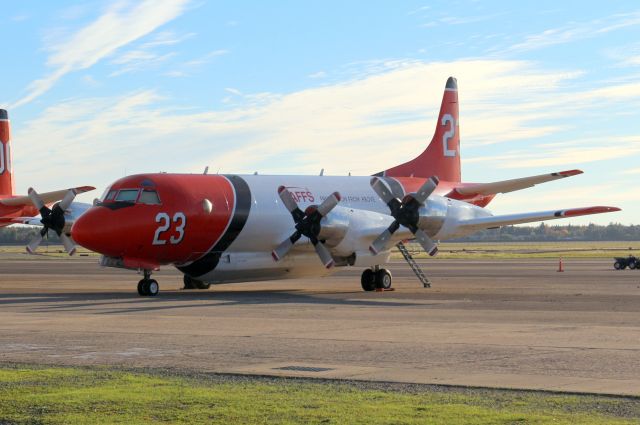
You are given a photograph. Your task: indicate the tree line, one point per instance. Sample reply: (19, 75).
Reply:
(545, 232)
(21, 235)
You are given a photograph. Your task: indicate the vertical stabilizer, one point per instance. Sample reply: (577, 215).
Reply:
(442, 156)
(6, 173)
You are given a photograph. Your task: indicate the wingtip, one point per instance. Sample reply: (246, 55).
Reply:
(570, 173)
(588, 211)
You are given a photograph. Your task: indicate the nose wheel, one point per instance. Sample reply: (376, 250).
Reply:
(148, 287)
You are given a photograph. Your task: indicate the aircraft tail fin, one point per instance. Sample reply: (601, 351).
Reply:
(442, 157)
(6, 172)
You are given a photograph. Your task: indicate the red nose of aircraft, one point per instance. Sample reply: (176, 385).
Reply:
(95, 231)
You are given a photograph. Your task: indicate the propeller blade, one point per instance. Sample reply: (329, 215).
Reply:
(329, 204)
(325, 255)
(426, 190)
(68, 199)
(34, 244)
(285, 246)
(35, 199)
(426, 242)
(69, 246)
(380, 244)
(382, 190)
(287, 199)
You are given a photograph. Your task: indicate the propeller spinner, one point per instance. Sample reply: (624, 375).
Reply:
(52, 219)
(405, 213)
(307, 224)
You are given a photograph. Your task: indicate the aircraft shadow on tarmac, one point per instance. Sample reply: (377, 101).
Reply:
(112, 302)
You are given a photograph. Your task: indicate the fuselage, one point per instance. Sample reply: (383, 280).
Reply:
(222, 228)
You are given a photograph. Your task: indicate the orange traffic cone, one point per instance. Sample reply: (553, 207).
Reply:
(560, 265)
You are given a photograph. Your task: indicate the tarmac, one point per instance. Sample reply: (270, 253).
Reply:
(486, 323)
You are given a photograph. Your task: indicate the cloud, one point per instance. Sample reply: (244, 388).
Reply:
(316, 75)
(121, 24)
(138, 60)
(362, 124)
(313, 128)
(577, 31)
(577, 152)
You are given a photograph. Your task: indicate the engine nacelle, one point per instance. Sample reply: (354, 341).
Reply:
(433, 215)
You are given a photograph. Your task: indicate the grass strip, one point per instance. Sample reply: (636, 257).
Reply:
(33, 395)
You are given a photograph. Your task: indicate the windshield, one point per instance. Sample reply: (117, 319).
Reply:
(149, 197)
(127, 195)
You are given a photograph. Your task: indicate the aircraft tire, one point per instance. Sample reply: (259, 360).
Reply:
(151, 287)
(141, 291)
(368, 280)
(189, 282)
(383, 279)
(201, 285)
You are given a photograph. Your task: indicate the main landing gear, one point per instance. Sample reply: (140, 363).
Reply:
(191, 283)
(376, 278)
(148, 287)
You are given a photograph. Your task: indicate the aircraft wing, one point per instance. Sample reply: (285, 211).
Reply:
(47, 197)
(496, 221)
(506, 186)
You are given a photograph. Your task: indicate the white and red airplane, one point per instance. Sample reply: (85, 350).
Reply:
(234, 228)
(22, 209)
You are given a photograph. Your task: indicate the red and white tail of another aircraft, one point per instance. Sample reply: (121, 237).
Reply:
(233, 228)
(23, 209)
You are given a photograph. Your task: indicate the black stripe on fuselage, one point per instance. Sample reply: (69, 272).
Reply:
(396, 188)
(210, 260)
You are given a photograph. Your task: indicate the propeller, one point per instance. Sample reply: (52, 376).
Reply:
(52, 219)
(307, 224)
(405, 213)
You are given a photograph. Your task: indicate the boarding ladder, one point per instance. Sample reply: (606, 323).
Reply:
(414, 265)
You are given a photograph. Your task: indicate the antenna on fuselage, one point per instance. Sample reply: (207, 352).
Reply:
(322, 172)
(206, 170)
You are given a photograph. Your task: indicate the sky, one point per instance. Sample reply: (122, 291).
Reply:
(101, 89)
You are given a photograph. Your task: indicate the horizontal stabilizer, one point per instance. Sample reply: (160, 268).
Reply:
(47, 198)
(477, 224)
(473, 189)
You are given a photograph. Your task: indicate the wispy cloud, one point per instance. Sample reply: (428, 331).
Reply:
(576, 31)
(460, 20)
(138, 60)
(121, 24)
(319, 74)
(576, 153)
(331, 124)
(187, 68)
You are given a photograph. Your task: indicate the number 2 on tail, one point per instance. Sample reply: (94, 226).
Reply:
(448, 135)
(165, 224)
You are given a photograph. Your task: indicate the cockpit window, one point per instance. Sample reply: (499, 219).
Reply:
(127, 195)
(149, 197)
(110, 195)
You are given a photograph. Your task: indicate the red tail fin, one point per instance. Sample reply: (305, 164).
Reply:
(6, 174)
(442, 156)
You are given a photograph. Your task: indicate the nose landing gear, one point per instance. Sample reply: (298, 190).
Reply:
(376, 278)
(148, 287)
